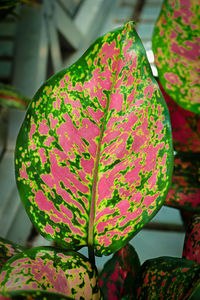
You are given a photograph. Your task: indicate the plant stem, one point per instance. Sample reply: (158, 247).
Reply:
(91, 255)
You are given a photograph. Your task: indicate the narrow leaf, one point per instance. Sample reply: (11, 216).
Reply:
(49, 269)
(175, 45)
(191, 249)
(116, 278)
(184, 192)
(94, 154)
(7, 250)
(185, 126)
(9, 97)
(167, 278)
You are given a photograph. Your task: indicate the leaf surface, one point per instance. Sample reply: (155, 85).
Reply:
(191, 249)
(116, 278)
(49, 269)
(32, 295)
(176, 49)
(167, 278)
(94, 154)
(184, 192)
(7, 250)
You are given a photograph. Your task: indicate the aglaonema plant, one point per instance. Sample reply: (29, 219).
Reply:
(93, 165)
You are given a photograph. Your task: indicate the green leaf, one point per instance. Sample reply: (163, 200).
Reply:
(94, 154)
(175, 45)
(9, 97)
(53, 270)
(167, 278)
(7, 250)
(191, 249)
(116, 278)
(184, 192)
(32, 295)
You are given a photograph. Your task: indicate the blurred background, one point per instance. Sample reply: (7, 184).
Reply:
(37, 39)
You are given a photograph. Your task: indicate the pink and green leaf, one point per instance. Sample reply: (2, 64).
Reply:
(185, 126)
(191, 249)
(167, 278)
(10, 98)
(32, 295)
(175, 45)
(116, 278)
(184, 192)
(7, 250)
(52, 270)
(94, 154)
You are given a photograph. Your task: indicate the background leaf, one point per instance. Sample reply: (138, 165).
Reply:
(167, 278)
(52, 270)
(94, 154)
(184, 192)
(191, 248)
(116, 278)
(175, 45)
(7, 250)
(9, 97)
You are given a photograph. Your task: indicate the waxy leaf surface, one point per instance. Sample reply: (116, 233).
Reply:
(116, 278)
(53, 270)
(7, 250)
(185, 126)
(176, 48)
(94, 154)
(185, 188)
(167, 278)
(191, 249)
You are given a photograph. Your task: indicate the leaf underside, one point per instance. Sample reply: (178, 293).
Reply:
(191, 249)
(175, 45)
(167, 278)
(94, 154)
(51, 270)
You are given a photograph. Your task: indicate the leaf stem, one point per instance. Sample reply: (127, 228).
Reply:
(91, 255)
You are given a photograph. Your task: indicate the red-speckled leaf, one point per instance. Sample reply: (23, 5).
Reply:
(94, 154)
(53, 270)
(116, 278)
(191, 249)
(176, 48)
(9, 97)
(185, 126)
(32, 295)
(184, 192)
(167, 278)
(7, 250)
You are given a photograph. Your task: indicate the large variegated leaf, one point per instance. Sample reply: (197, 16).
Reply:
(167, 278)
(185, 126)
(175, 45)
(32, 295)
(94, 154)
(184, 192)
(191, 249)
(9, 97)
(49, 269)
(116, 278)
(7, 250)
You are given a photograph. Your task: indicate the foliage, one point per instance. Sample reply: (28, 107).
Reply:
(93, 166)
(10, 98)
